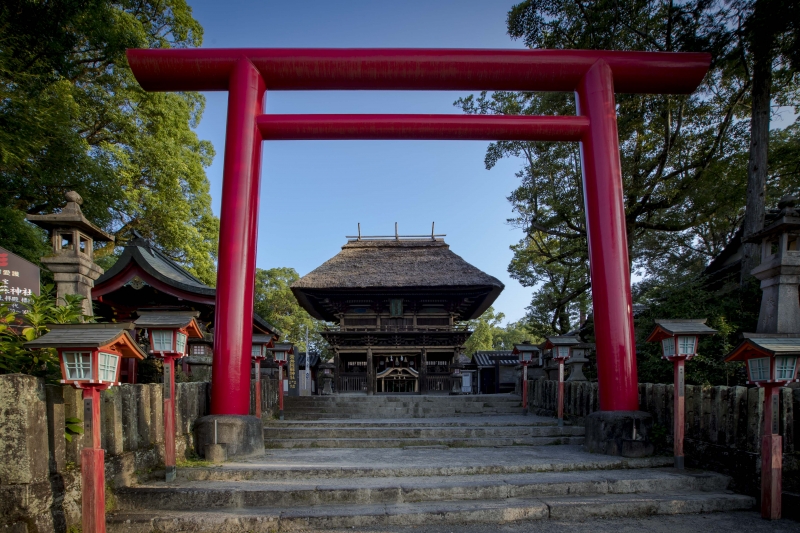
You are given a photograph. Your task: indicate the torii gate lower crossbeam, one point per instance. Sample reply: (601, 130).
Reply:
(592, 75)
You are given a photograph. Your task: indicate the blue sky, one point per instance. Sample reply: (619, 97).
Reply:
(314, 193)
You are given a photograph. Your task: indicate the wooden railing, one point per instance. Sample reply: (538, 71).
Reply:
(355, 382)
(439, 383)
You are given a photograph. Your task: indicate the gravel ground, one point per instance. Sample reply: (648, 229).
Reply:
(738, 522)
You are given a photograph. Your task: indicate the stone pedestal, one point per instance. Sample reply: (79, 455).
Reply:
(623, 433)
(575, 365)
(242, 435)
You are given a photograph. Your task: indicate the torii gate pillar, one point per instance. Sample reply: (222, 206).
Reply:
(594, 76)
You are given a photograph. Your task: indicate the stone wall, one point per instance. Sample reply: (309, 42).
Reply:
(723, 425)
(40, 470)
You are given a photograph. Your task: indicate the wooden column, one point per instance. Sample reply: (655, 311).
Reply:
(423, 371)
(370, 374)
(336, 362)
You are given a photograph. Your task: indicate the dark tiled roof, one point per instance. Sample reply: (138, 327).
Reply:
(678, 327)
(301, 360)
(776, 345)
(262, 339)
(165, 319)
(488, 358)
(158, 265)
(83, 336)
(562, 340)
(164, 269)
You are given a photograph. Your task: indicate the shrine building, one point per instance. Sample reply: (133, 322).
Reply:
(398, 307)
(144, 278)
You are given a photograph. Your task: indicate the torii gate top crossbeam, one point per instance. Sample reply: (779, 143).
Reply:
(293, 69)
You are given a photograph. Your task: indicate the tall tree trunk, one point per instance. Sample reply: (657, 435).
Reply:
(761, 40)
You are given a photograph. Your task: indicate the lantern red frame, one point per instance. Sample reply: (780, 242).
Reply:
(594, 76)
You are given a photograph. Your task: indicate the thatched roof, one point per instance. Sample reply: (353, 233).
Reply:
(396, 264)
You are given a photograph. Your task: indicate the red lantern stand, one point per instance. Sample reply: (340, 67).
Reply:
(168, 332)
(771, 364)
(525, 352)
(280, 352)
(90, 356)
(679, 340)
(261, 343)
(562, 351)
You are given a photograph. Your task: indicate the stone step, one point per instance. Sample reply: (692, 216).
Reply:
(484, 422)
(392, 408)
(271, 519)
(294, 464)
(399, 431)
(479, 442)
(429, 398)
(204, 495)
(371, 415)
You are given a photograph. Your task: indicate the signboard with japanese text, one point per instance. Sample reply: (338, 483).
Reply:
(291, 370)
(19, 279)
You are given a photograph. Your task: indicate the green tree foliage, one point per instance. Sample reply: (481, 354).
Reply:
(14, 333)
(276, 304)
(684, 158)
(73, 118)
(729, 313)
(489, 334)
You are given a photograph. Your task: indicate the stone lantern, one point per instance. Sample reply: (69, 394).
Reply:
(72, 237)
(779, 270)
(577, 360)
(326, 376)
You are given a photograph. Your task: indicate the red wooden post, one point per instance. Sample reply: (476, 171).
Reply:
(525, 387)
(679, 411)
(608, 242)
(243, 73)
(771, 455)
(169, 416)
(93, 478)
(560, 392)
(233, 323)
(280, 390)
(258, 388)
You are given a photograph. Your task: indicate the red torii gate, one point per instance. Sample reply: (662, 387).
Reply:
(594, 76)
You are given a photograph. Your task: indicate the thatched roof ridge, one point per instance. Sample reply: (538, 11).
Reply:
(395, 264)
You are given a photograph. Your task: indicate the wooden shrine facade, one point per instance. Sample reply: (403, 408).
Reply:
(396, 308)
(144, 278)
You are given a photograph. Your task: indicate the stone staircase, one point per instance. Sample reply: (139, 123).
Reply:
(291, 490)
(414, 461)
(341, 406)
(472, 432)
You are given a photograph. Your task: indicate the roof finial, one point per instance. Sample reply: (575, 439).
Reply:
(433, 226)
(359, 231)
(396, 235)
